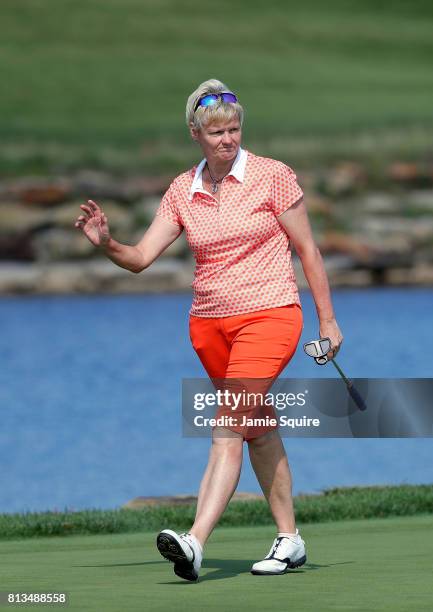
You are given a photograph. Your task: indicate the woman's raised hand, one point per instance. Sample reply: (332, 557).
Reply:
(94, 224)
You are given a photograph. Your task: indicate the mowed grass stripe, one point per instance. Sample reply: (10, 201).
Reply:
(379, 564)
(119, 71)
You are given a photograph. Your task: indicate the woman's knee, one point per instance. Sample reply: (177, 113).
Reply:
(227, 441)
(261, 442)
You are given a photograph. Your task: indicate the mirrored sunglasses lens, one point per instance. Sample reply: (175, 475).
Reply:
(208, 100)
(228, 97)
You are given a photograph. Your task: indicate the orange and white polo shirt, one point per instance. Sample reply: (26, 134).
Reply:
(242, 253)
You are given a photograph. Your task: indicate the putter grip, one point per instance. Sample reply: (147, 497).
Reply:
(354, 394)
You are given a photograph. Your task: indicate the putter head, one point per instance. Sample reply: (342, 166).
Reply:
(318, 349)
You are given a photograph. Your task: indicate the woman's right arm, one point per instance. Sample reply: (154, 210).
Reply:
(156, 239)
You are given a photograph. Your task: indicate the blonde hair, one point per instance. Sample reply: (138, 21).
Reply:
(220, 111)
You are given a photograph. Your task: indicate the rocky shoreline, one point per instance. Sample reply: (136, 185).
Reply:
(100, 276)
(182, 500)
(370, 231)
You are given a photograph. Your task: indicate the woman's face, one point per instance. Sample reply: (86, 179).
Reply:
(220, 142)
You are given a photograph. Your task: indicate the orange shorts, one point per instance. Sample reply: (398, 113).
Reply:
(246, 353)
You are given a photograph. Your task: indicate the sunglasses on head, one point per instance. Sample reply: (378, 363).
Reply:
(211, 99)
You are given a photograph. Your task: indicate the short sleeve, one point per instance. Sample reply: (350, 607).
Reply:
(285, 191)
(168, 208)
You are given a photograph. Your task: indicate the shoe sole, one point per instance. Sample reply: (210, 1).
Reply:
(293, 565)
(171, 550)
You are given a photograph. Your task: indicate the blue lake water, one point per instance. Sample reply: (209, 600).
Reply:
(90, 397)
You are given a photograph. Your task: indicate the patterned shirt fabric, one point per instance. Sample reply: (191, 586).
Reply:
(242, 253)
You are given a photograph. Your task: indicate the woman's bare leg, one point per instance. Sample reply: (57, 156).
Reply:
(269, 460)
(219, 481)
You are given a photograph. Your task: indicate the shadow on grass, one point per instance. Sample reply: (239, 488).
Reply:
(234, 567)
(124, 564)
(223, 569)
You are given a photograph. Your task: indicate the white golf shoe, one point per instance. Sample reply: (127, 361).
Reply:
(287, 552)
(183, 550)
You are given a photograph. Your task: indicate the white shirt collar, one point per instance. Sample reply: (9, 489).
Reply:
(237, 170)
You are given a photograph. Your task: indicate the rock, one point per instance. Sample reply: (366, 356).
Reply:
(420, 274)
(379, 203)
(33, 190)
(380, 234)
(93, 185)
(421, 199)
(423, 274)
(93, 276)
(410, 174)
(394, 243)
(403, 172)
(17, 246)
(350, 278)
(164, 275)
(18, 219)
(145, 502)
(338, 262)
(146, 208)
(58, 244)
(181, 500)
(65, 277)
(146, 186)
(100, 186)
(346, 178)
(17, 277)
(335, 242)
(318, 205)
(4, 192)
(403, 228)
(46, 195)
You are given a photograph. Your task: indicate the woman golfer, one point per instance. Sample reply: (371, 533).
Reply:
(241, 214)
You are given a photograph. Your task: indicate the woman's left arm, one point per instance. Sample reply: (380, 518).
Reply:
(297, 225)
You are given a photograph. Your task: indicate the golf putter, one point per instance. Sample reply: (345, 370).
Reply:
(318, 349)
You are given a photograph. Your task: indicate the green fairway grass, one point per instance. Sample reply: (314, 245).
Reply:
(338, 503)
(89, 74)
(377, 564)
